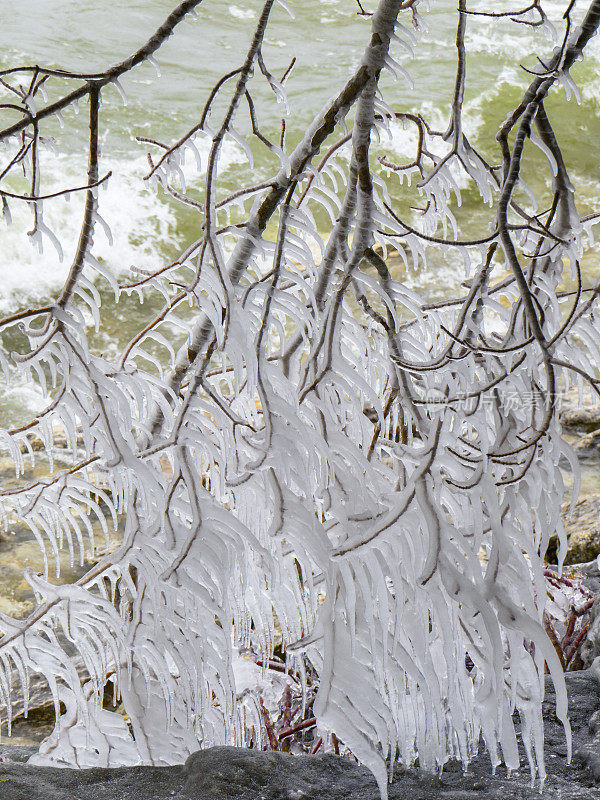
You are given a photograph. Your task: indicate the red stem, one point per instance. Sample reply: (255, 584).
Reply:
(308, 723)
(576, 645)
(570, 629)
(335, 743)
(268, 726)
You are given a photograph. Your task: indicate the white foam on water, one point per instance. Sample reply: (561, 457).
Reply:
(404, 136)
(510, 40)
(143, 226)
(242, 13)
(140, 224)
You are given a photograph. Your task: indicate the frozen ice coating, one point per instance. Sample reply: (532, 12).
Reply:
(299, 450)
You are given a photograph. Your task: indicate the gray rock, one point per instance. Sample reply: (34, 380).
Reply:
(580, 416)
(9, 754)
(22, 782)
(582, 527)
(590, 649)
(591, 575)
(225, 773)
(229, 773)
(589, 445)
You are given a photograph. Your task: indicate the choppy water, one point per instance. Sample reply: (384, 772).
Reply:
(327, 39)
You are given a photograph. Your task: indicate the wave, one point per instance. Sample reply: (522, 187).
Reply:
(143, 225)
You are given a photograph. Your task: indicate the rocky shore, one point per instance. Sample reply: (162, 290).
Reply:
(226, 773)
(580, 419)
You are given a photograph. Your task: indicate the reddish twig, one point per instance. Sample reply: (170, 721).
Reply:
(302, 726)
(576, 645)
(274, 744)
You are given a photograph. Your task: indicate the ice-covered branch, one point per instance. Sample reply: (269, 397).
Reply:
(295, 447)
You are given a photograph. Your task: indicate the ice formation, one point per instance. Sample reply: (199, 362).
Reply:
(297, 444)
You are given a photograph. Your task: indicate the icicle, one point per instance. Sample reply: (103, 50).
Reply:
(154, 62)
(286, 7)
(120, 90)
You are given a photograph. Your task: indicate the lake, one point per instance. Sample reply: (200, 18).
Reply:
(327, 40)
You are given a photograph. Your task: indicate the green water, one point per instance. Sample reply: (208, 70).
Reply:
(327, 40)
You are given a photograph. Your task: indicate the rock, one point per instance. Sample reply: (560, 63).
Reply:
(589, 753)
(591, 575)
(583, 532)
(590, 649)
(227, 773)
(15, 755)
(584, 697)
(581, 416)
(589, 445)
(22, 782)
